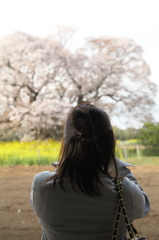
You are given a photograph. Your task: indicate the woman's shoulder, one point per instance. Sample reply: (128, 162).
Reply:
(42, 177)
(121, 166)
(43, 174)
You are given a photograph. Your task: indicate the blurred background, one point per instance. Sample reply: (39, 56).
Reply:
(56, 54)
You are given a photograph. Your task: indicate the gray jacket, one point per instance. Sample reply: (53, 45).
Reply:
(75, 216)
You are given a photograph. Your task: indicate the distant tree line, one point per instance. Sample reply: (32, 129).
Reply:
(148, 136)
(129, 133)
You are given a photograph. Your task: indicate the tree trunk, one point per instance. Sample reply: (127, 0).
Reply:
(80, 99)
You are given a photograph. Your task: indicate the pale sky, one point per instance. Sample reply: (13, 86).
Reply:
(136, 19)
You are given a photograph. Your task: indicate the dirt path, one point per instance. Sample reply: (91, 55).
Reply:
(18, 221)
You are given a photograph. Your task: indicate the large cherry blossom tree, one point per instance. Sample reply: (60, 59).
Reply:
(40, 79)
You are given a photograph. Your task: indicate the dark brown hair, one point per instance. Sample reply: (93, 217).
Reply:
(87, 148)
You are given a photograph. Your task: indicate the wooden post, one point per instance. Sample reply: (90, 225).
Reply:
(125, 151)
(138, 151)
(38, 156)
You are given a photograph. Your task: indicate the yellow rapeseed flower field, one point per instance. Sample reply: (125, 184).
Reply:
(46, 152)
(29, 153)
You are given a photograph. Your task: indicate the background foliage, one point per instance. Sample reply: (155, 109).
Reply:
(129, 133)
(149, 135)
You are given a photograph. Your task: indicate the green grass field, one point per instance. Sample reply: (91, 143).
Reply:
(46, 152)
(143, 160)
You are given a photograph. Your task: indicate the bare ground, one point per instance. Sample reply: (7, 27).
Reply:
(19, 222)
